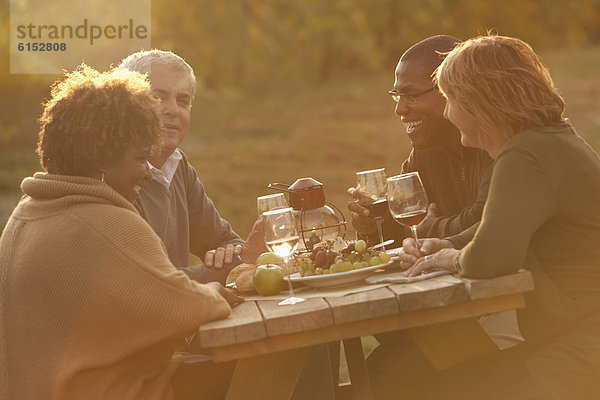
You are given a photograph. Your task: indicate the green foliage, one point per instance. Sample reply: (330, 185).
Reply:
(294, 88)
(14, 167)
(241, 49)
(252, 43)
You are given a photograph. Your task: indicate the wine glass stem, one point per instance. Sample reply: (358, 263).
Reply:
(414, 232)
(378, 222)
(287, 272)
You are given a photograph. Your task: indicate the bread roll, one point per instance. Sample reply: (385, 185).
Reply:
(244, 282)
(237, 271)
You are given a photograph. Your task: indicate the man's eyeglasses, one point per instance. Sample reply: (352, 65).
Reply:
(408, 98)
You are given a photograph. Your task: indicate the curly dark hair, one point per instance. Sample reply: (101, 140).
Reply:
(93, 117)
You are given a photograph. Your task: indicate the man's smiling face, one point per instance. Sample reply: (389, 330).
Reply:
(423, 117)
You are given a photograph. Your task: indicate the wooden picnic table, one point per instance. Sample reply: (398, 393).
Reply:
(271, 342)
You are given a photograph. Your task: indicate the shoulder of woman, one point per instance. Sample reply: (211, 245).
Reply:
(126, 235)
(121, 226)
(529, 141)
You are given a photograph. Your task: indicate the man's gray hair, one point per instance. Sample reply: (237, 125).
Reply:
(142, 61)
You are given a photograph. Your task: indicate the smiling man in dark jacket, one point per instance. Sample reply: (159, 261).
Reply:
(456, 178)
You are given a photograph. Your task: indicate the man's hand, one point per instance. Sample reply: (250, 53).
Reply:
(220, 256)
(227, 294)
(361, 217)
(255, 243)
(411, 253)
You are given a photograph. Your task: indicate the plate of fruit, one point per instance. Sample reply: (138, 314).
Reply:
(329, 265)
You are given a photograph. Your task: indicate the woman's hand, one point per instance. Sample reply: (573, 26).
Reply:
(443, 259)
(411, 252)
(227, 294)
(221, 255)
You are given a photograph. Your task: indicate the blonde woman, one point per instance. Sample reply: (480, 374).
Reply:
(542, 214)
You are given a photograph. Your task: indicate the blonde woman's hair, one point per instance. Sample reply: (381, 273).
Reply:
(501, 83)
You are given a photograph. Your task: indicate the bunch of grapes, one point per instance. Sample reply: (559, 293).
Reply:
(324, 260)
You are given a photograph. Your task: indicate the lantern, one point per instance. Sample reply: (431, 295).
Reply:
(316, 218)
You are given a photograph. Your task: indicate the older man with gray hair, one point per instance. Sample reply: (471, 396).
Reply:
(176, 206)
(174, 202)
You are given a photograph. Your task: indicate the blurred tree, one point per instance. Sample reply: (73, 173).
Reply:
(238, 47)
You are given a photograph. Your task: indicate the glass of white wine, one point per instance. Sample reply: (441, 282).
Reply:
(373, 184)
(269, 202)
(281, 237)
(407, 200)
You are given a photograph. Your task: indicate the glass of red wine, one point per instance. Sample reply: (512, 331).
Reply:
(373, 184)
(407, 200)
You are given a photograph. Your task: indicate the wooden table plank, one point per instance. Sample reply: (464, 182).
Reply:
(272, 343)
(244, 325)
(388, 323)
(520, 282)
(435, 292)
(363, 305)
(314, 313)
(458, 311)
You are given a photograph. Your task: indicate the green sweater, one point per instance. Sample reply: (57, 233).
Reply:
(543, 214)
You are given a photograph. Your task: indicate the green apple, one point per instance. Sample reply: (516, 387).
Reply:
(267, 279)
(268, 258)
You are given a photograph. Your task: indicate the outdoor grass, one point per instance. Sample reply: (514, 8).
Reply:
(326, 138)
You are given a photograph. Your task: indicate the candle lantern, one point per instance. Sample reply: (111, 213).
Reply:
(316, 218)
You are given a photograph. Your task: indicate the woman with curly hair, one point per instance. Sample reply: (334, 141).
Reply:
(541, 215)
(90, 306)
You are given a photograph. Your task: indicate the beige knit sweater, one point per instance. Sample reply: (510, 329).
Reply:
(90, 306)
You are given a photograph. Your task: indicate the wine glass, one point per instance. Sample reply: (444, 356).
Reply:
(269, 202)
(281, 237)
(407, 200)
(373, 184)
